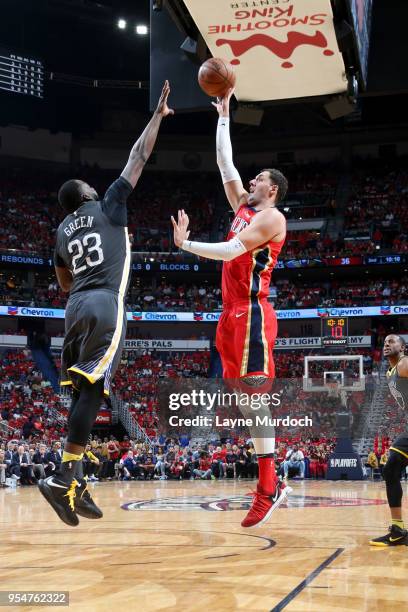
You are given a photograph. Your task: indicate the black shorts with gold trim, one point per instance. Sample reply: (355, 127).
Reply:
(95, 330)
(400, 445)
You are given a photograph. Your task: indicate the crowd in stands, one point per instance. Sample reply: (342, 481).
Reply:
(375, 292)
(28, 403)
(168, 458)
(378, 456)
(377, 208)
(23, 195)
(196, 297)
(137, 380)
(379, 200)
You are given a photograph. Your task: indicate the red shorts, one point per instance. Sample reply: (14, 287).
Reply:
(245, 339)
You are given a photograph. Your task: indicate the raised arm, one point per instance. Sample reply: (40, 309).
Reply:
(143, 147)
(234, 189)
(269, 224)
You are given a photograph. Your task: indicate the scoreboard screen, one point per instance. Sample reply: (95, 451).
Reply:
(361, 12)
(334, 331)
(21, 74)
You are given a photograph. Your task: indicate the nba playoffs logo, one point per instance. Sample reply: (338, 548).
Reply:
(241, 502)
(12, 310)
(198, 316)
(137, 316)
(385, 310)
(322, 312)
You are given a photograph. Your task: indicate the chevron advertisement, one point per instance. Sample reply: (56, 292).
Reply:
(279, 48)
(213, 317)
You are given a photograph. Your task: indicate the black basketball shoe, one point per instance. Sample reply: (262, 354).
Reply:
(395, 537)
(61, 497)
(84, 504)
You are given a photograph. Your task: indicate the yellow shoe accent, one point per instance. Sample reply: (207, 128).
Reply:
(71, 494)
(86, 487)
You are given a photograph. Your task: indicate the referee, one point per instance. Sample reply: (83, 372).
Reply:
(92, 262)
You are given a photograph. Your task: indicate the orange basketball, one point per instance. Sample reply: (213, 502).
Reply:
(216, 76)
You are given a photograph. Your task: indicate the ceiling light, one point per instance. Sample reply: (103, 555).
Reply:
(122, 24)
(141, 30)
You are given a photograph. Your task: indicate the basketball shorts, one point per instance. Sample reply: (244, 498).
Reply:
(245, 339)
(400, 445)
(95, 330)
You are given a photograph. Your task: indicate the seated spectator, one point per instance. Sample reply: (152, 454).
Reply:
(20, 466)
(161, 464)
(204, 469)
(218, 462)
(53, 460)
(37, 468)
(90, 463)
(131, 467)
(39, 460)
(3, 467)
(294, 460)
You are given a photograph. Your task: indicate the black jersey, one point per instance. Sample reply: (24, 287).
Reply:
(93, 242)
(398, 386)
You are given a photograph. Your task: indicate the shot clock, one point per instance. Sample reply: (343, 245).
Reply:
(334, 331)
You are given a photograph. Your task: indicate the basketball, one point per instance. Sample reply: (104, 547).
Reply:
(216, 76)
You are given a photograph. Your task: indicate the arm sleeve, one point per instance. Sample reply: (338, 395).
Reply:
(115, 200)
(224, 152)
(224, 251)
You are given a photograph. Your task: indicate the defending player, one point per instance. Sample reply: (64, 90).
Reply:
(247, 328)
(397, 376)
(92, 261)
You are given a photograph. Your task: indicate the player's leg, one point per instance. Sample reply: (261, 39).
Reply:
(270, 491)
(260, 334)
(397, 533)
(64, 492)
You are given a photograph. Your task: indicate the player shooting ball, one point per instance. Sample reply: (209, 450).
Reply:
(247, 328)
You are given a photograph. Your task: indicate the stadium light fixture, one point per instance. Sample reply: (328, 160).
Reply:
(141, 30)
(122, 24)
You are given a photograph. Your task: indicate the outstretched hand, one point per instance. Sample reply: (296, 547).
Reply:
(180, 228)
(162, 108)
(223, 104)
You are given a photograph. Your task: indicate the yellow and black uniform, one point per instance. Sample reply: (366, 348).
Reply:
(397, 461)
(398, 386)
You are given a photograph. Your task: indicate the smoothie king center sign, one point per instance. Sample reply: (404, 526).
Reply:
(280, 49)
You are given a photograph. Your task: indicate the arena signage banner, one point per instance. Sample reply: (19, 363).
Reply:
(192, 345)
(167, 345)
(316, 342)
(213, 317)
(103, 418)
(280, 48)
(29, 261)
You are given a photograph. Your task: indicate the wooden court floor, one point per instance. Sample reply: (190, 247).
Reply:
(179, 546)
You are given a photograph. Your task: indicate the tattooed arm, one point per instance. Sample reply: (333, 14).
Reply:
(142, 149)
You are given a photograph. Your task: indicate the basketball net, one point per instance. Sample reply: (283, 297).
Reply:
(332, 389)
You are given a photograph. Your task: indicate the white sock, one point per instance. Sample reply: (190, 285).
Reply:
(264, 446)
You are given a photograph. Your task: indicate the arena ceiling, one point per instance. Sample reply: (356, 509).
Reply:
(81, 37)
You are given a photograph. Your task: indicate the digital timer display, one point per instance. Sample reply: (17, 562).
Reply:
(334, 331)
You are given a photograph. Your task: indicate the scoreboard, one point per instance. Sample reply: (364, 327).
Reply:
(21, 74)
(334, 331)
